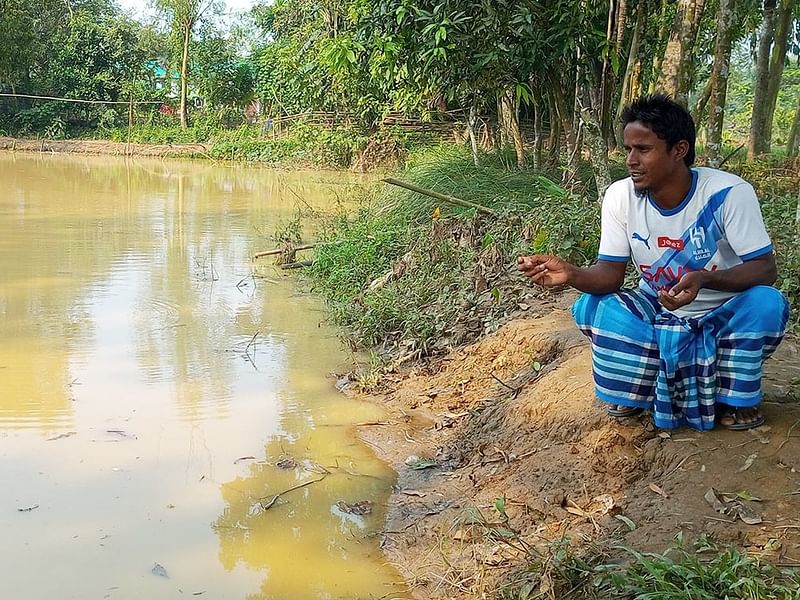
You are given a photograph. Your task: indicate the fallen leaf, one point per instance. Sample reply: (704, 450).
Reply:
(606, 502)
(664, 435)
(741, 495)
(747, 514)
(630, 524)
(717, 503)
(417, 463)
(749, 462)
(658, 490)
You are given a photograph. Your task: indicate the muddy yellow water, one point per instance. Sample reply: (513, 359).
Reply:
(157, 392)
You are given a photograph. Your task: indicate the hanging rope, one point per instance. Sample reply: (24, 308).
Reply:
(78, 99)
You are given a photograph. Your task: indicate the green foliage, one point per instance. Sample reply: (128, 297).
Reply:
(303, 145)
(731, 574)
(404, 269)
(222, 77)
(679, 574)
(777, 183)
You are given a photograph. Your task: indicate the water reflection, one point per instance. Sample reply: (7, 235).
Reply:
(139, 359)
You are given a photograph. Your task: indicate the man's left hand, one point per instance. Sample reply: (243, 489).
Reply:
(683, 292)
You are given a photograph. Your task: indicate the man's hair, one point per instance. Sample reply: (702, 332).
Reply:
(664, 117)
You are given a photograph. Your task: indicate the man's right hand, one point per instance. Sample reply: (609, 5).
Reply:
(545, 269)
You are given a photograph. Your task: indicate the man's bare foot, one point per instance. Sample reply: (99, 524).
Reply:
(740, 418)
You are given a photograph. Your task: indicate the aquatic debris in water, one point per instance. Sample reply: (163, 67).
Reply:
(159, 570)
(287, 462)
(359, 508)
(274, 498)
(29, 508)
(61, 436)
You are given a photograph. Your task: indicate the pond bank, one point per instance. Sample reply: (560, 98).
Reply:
(104, 147)
(502, 453)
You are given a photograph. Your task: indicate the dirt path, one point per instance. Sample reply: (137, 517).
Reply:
(103, 147)
(514, 416)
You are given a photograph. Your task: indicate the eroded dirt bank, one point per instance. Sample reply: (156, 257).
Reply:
(103, 147)
(514, 416)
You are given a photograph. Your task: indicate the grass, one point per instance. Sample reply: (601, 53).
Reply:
(704, 572)
(444, 268)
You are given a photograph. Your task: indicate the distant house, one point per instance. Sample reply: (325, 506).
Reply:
(161, 78)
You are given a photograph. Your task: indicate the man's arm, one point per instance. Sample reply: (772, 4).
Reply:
(758, 271)
(604, 277)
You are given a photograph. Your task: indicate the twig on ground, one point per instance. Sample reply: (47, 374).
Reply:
(505, 385)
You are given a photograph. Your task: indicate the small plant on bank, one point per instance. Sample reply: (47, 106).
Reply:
(679, 574)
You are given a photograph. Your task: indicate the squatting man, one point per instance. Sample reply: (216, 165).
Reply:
(689, 344)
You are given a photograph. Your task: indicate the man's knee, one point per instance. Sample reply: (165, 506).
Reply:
(767, 306)
(585, 308)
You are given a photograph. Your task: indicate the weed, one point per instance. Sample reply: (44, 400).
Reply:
(679, 574)
(419, 275)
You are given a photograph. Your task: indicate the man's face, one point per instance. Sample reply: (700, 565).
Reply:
(650, 163)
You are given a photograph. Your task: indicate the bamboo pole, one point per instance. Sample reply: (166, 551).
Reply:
(7, 95)
(438, 196)
(279, 250)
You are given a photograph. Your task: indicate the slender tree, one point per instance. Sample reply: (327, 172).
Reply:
(719, 81)
(185, 15)
(793, 141)
(776, 64)
(758, 122)
(678, 54)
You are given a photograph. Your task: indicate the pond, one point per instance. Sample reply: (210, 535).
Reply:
(158, 391)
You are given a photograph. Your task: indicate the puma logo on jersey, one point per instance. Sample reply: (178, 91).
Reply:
(645, 241)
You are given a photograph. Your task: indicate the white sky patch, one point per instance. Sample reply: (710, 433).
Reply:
(142, 8)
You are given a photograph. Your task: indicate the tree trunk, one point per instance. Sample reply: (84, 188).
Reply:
(510, 117)
(187, 31)
(472, 121)
(663, 32)
(719, 81)
(537, 134)
(758, 121)
(554, 140)
(776, 64)
(699, 110)
(793, 140)
(596, 141)
(607, 74)
(627, 93)
(678, 53)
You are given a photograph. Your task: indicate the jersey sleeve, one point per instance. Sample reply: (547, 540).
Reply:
(614, 244)
(744, 226)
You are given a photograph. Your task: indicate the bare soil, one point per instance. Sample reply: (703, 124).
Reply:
(514, 416)
(103, 147)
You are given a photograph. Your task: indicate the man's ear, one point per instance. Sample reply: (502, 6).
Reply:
(680, 149)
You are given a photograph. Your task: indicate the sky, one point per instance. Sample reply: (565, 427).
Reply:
(141, 8)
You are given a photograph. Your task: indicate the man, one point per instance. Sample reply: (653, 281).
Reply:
(690, 343)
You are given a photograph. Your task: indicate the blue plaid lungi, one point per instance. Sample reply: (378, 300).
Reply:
(680, 368)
